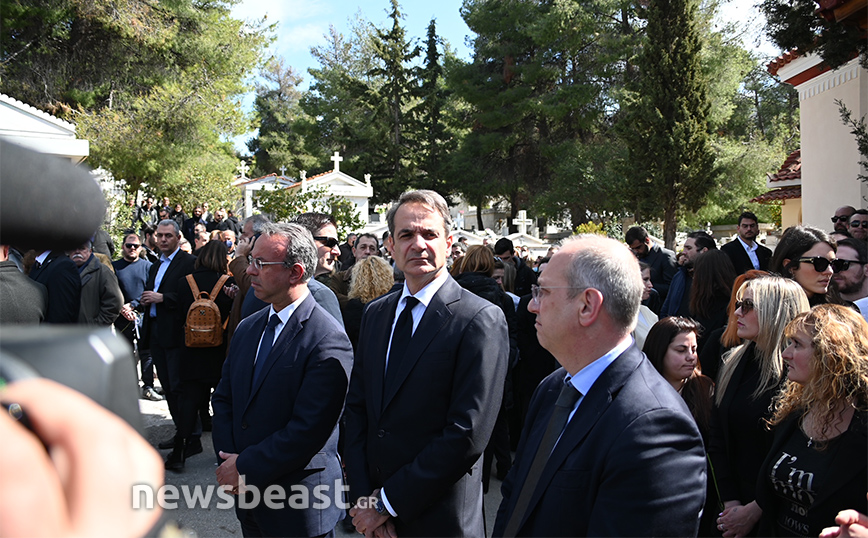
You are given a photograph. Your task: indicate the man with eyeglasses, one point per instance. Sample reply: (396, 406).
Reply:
(604, 436)
(859, 224)
(842, 218)
(283, 386)
(745, 252)
(132, 273)
(852, 281)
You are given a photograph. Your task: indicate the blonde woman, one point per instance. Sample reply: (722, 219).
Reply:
(750, 377)
(370, 278)
(817, 464)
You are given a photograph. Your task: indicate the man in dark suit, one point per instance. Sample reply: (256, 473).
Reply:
(165, 321)
(426, 388)
(608, 449)
(745, 252)
(284, 382)
(55, 271)
(24, 300)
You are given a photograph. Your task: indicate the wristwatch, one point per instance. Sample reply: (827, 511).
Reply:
(379, 505)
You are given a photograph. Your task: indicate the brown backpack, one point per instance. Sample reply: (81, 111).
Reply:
(203, 327)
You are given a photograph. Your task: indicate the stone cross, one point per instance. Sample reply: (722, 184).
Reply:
(368, 180)
(337, 160)
(522, 221)
(243, 168)
(283, 171)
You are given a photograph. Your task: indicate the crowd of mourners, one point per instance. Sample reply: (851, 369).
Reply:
(767, 349)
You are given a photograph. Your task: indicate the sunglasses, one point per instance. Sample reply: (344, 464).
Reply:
(132, 245)
(746, 305)
(839, 219)
(330, 242)
(821, 264)
(858, 223)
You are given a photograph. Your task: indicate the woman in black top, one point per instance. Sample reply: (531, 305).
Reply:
(750, 376)
(817, 464)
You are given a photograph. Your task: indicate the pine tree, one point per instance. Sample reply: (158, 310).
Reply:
(671, 162)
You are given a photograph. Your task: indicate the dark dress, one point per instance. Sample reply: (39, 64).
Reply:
(740, 440)
(200, 368)
(802, 489)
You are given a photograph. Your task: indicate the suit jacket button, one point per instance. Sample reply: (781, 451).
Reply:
(381, 433)
(244, 426)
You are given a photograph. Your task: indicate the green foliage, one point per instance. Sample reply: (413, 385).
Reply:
(284, 204)
(154, 86)
(590, 228)
(796, 24)
(860, 131)
(671, 161)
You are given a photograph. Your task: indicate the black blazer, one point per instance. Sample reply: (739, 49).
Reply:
(740, 259)
(203, 363)
(60, 277)
(421, 439)
(629, 463)
(284, 428)
(168, 326)
(843, 487)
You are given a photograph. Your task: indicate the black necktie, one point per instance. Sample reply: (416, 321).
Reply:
(563, 407)
(400, 340)
(265, 347)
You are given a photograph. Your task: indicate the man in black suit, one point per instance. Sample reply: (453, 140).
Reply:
(745, 252)
(55, 271)
(426, 388)
(24, 300)
(165, 320)
(284, 381)
(608, 449)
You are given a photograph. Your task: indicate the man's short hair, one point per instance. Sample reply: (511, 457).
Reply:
(259, 221)
(314, 221)
(300, 248)
(636, 233)
(172, 223)
(424, 197)
(861, 247)
(702, 240)
(859, 212)
(747, 215)
(371, 236)
(503, 245)
(616, 277)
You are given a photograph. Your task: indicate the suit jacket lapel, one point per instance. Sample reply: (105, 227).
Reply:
(377, 356)
(591, 408)
(436, 315)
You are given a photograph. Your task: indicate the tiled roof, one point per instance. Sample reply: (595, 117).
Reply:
(782, 60)
(778, 195)
(791, 169)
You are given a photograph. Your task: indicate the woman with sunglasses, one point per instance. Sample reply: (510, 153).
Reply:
(749, 378)
(807, 255)
(817, 464)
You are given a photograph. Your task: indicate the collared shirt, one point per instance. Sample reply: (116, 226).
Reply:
(751, 252)
(41, 257)
(587, 376)
(425, 295)
(284, 315)
(165, 261)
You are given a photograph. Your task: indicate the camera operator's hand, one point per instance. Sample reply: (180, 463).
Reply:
(83, 485)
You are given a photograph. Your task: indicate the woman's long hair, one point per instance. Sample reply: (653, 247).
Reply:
(479, 259)
(776, 301)
(213, 256)
(730, 338)
(839, 366)
(713, 274)
(370, 278)
(698, 389)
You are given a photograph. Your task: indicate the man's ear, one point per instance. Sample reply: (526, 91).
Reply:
(590, 305)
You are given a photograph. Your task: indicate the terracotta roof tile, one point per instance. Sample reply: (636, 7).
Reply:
(782, 60)
(778, 195)
(791, 169)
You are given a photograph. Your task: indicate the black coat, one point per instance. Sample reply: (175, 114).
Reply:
(203, 363)
(740, 259)
(60, 277)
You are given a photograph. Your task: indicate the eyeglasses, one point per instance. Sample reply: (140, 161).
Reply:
(132, 245)
(536, 291)
(258, 263)
(839, 219)
(329, 242)
(821, 264)
(845, 264)
(746, 305)
(858, 223)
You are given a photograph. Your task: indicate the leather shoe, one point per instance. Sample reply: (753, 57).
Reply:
(194, 446)
(148, 393)
(175, 460)
(167, 444)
